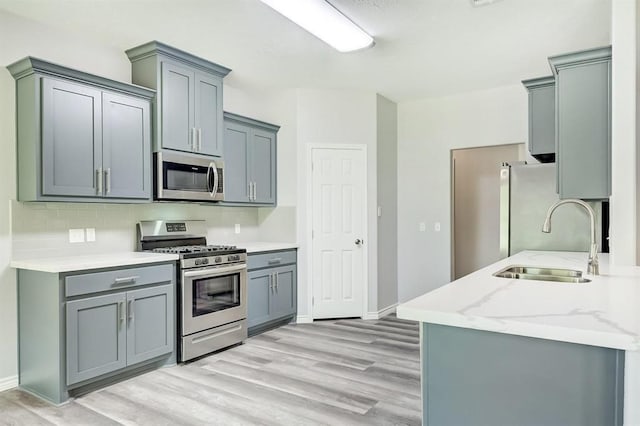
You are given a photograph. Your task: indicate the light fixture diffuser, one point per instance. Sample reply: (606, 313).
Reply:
(324, 21)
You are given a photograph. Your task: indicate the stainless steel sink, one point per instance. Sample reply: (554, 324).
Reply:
(519, 272)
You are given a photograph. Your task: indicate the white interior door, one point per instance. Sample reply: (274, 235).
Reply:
(338, 235)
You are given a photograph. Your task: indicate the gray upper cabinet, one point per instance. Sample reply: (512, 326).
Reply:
(583, 123)
(250, 160)
(188, 104)
(80, 137)
(542, 117)
(126, 146)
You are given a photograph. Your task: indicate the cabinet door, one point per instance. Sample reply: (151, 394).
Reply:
(177, 92)
(262, 160)
(236, 145)
(126, 145)
(584, 133)
(542, 120)
(150, 330)
(283, 300)
(71, 138)
(96, 336)
(258, 297)
(208, 114)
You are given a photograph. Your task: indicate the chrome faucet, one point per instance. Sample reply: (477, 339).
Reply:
(593, 267)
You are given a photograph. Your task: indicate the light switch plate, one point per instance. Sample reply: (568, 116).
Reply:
(91, 234)
(237, 228)
(76, 235)
(422, 226)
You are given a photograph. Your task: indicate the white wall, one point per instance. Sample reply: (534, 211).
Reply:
(427, 131)
(623, 138)
(387, 129)
(40, 228)
(335, 117)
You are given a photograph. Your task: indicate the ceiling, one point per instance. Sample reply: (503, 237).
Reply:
(424, 48)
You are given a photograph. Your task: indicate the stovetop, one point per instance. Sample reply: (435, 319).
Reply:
(217, 249)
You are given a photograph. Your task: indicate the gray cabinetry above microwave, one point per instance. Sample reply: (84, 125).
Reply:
(80, 137)
(583, 123)
(250, 159)
(542, 117)
(188, 104)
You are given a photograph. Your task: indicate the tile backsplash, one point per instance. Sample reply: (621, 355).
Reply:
(42, 229)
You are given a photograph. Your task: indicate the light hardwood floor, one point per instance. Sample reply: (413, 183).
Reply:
(337, 372)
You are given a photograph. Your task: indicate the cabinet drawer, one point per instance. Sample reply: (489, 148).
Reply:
(76, 285)
(271, 259)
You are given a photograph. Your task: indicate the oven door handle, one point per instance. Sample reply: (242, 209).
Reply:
(212, 272)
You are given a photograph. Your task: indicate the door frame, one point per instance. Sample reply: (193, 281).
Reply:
(362, 148)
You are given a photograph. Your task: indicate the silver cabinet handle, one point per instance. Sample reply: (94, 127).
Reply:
(249, 191)
(199, 140)
(274, 261)
(192, 139)
(271, 283)
(253, 198)
(107, 178)
(125, 280)
(121, 311)
(275, 275)
(130, 310)
(99, 180)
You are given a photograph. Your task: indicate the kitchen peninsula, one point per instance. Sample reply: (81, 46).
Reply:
(512, 351)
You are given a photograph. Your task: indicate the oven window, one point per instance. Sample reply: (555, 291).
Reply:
(215, 294)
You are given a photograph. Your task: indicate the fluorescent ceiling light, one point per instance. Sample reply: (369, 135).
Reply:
(325, 22)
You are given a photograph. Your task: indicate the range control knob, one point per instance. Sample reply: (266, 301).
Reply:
(218, 259)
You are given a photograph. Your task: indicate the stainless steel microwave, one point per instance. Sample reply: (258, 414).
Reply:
(188, 178)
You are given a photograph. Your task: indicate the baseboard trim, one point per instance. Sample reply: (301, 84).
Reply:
(387, 311)
(7, 383)
(304, 319)
(374, 315)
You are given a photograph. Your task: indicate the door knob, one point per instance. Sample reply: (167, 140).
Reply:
(359, 241)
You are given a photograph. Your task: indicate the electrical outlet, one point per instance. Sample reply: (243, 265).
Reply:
(237, 230)
(436, 226)
(422, 226)
(76, 235)
(91, 234)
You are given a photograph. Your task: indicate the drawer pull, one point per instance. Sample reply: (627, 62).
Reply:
(126, 280)
(275, 260)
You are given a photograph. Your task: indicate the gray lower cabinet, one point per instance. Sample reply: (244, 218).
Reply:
(272, 289)
(188, 104)
(78, 331)
(108, 333)
(583, 123)
(80, 137)
(250, 161)
(482, 378)
(542, 117)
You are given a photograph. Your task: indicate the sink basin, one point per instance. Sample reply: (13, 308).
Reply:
(538, 273)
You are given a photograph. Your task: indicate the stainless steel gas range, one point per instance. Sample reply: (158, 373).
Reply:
(212, 291)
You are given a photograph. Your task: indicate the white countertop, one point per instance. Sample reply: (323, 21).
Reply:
(94, 261)
(604, 312)
(257, 247)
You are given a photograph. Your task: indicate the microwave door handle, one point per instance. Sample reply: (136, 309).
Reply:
(213, 167)
(209, 189)
(214, 271)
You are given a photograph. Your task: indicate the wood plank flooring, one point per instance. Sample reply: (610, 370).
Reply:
(335, 372)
